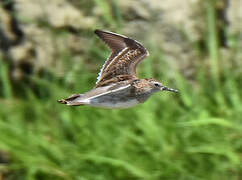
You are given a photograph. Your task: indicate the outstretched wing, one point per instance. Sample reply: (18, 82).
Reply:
(122, 63)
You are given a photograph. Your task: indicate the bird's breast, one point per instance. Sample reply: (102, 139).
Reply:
(122, 97)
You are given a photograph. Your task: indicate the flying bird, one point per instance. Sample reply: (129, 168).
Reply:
(118, 85)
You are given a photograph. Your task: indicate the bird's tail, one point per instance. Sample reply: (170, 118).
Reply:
(71, 101)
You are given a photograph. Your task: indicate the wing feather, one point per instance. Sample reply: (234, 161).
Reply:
(126, 55)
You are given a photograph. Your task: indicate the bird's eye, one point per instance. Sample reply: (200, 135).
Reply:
(157, 85)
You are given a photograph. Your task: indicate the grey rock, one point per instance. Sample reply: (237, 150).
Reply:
(43, 30)
(234, 14)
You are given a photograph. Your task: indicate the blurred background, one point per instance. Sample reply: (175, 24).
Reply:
(48, 51)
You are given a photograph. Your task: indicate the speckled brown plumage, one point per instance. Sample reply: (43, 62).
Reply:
(126, 55)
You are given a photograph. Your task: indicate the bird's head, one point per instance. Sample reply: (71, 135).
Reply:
(156, 85)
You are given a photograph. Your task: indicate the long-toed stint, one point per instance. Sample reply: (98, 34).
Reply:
(118, 85)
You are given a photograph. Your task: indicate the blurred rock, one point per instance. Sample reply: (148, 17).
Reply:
(235, 16)
(174, 26)
(35, 34)
(57, 13)
(48, 28)
(10, 32)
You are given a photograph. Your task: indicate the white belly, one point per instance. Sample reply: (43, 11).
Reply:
(116, 98)
(112, 104)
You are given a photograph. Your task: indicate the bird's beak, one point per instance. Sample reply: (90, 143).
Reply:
(164, 88)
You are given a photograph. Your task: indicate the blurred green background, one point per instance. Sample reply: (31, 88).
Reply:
(49, 51)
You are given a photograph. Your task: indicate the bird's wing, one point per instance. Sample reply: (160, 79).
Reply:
(122, 63)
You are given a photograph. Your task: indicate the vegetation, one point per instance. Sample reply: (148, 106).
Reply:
(194, 135)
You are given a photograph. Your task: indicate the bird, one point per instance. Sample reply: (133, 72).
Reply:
(118, 85)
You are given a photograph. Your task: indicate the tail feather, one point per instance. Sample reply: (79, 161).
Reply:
(71, 100)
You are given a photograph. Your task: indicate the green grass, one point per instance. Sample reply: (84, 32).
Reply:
(193, 135)
(185, 136)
